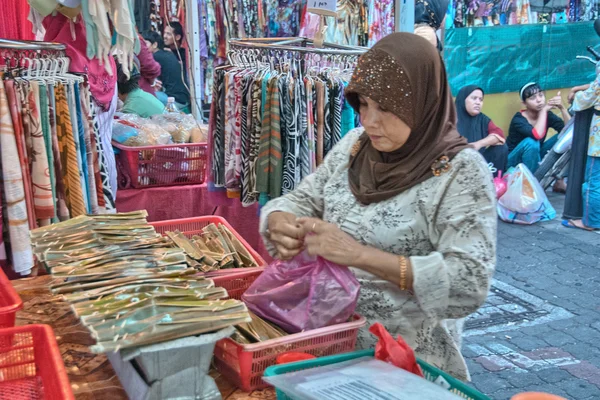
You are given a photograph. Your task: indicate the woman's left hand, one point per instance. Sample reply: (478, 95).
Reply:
(330, 242)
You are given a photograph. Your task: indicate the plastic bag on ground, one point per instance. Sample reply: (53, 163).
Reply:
(524, 202)
(303, 294)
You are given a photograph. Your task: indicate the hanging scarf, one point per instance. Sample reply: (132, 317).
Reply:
(73, 34)
(14, 193)
(68, 154)
(12, 92)
(406, 76)
(40, 177)
(471, 128)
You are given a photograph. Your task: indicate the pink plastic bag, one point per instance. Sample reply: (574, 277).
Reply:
(303, 294)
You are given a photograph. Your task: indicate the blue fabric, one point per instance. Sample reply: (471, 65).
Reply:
(530, 152)
(82, 148)
(591, 193)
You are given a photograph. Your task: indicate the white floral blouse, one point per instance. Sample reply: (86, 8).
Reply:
(447, 225)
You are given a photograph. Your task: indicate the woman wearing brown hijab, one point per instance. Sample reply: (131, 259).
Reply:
(403, 201)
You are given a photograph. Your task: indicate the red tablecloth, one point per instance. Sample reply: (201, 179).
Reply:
(175, 202)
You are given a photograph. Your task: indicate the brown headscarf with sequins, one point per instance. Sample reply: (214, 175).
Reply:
(404, 74)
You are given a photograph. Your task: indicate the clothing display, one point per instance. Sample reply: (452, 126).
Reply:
(271, 128)
(50, 153)
(467, 13)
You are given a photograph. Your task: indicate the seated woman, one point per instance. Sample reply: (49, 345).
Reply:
(135, 100)
(404, 200)
(479, 130)
(527, 133)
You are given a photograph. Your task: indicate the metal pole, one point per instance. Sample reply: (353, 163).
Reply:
(404, 15)
(193, 34)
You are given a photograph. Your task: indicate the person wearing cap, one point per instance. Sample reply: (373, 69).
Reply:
(526, 141)
(135, 100)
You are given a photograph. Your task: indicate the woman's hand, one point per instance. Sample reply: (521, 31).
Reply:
(286, 234)
(556, 102)
(330, 242)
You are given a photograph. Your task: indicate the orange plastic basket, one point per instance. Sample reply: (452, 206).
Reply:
(31, 366)
(235, 281)
(10, 302)
(165, 165)
(245, 364)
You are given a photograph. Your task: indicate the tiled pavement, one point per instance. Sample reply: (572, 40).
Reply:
(540, 328)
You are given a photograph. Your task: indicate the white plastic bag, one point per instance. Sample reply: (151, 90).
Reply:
(524, 201)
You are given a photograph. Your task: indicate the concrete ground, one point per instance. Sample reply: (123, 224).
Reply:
(540, 328)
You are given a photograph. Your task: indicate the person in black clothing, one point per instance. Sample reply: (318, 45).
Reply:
(171, 72)
(173, 39)
(526, 141)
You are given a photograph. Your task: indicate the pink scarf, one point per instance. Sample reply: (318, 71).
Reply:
(60, 29)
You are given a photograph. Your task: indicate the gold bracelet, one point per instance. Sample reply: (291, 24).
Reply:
(403, 272)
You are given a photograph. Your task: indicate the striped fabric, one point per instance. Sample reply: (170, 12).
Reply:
(336, 107)
(217, 166)
(250, 194)
(327, 118)
(264, 148)
(14, 193)
(68, 153)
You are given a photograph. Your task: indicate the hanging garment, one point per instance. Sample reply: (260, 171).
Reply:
(68, 153)
(44, 108)
(320, 121)
(73, 35)
(108, 169)
(75, 127)
(94, 180)
(14, 22)
(14, 193)
(61, 197)
(381, 20)
(14, 103)
(43, 199)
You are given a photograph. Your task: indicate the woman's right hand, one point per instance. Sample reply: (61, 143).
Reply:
(286, 234)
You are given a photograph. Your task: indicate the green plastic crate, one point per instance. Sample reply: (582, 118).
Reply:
(431, 373)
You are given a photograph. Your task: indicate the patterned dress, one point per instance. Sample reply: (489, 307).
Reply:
(447, 225)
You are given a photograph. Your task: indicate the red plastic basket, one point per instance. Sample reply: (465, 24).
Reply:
(244, 365)
(235, 281)
(31, 366)
(10, 302)
(165, 165)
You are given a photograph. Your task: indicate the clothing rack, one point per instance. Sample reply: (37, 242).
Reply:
(21, 45)
(298, 44)
(277, 111)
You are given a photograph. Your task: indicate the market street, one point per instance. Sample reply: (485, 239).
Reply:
(540, 328)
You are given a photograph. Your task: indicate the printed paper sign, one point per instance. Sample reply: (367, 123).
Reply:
(323, 7)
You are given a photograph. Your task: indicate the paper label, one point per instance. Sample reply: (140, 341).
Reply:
(323, 7)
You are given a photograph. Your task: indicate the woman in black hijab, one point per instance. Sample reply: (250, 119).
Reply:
(478, 128)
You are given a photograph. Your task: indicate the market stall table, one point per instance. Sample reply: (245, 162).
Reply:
(92, 376)
(175, 202)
